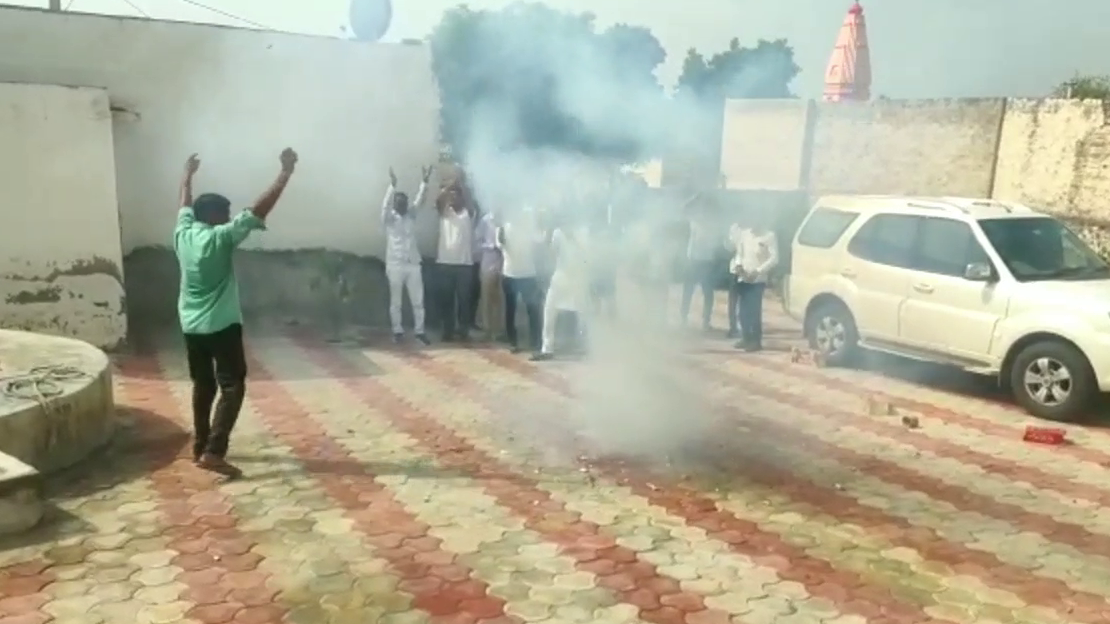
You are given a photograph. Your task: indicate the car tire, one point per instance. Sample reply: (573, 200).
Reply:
(1053, 380)
(831, 331)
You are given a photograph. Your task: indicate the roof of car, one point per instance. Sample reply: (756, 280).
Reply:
(974, 208)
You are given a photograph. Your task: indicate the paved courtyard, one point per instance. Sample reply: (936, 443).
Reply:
(469, 485)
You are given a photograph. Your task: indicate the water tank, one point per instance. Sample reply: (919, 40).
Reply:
(370, 18)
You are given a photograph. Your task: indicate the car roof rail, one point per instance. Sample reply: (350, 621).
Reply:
(943, 205)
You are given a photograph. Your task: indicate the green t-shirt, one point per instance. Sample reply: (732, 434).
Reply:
(208, 299)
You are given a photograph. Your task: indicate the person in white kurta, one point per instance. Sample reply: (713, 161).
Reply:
(402, 258)
(570, 284)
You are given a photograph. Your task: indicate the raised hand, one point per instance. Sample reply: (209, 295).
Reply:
(426, 173)
(288, 160)
(192, 164)
(392, 178)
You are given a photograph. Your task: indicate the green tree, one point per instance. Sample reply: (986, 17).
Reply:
(550, 79)
(1082, 87)
(764, 71)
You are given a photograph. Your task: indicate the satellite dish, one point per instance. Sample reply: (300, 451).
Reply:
(370, 18)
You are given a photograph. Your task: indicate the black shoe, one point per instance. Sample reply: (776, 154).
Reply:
(543, 357)
(514, 348)
(464, 337)
(423, 339)
(398, 338)
(218, 465)
(733, 334)
(448, 337)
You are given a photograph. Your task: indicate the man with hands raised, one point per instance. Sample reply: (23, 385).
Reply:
(402, 257)
(204, 240)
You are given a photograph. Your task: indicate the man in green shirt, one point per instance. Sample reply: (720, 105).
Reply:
(204, 240)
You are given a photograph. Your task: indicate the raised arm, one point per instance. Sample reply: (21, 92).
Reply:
(269, 198)
(387, 202)
(191, 167)
(422, 192)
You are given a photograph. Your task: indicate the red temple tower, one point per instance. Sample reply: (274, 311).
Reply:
(848, 75)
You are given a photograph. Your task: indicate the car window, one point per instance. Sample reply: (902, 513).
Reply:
(1043, 248)
(946, 247)
(824, 227)
(886, 239)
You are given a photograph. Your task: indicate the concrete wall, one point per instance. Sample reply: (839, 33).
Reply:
(1056, 153)
(238, 97)
(923, 147)
(763, 143)
(61, 267)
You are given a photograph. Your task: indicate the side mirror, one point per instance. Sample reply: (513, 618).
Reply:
(979, 272)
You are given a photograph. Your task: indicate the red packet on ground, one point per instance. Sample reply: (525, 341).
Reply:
(1044, 435)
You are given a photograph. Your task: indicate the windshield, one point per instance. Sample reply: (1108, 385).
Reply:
(1043, 248)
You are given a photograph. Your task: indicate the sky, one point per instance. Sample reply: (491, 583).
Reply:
(919, 48)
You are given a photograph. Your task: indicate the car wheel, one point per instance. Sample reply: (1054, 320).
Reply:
(1053, 380)
(831, 331)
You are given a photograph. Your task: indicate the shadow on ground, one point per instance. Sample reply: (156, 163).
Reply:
(144, 442)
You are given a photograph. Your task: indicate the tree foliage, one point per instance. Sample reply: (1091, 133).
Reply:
(764, 71)
(1084, 87)
(522, 64)
(538, 77)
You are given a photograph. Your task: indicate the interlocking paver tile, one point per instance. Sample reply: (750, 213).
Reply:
(444, 485)
(802, 461)
(643, 531)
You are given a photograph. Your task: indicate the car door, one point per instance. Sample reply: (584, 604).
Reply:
(877, 267)
(945, 312)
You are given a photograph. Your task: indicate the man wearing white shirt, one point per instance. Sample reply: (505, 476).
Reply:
(402, 257)
(455, 262)
(570, 283)
(518, 240)
(757, 254)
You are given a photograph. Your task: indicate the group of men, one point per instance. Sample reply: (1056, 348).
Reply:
(489, 262)
(486, 264)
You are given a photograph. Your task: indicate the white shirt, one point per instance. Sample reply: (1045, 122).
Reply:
(456, 238)
(518, 240)
(569, 286)
(400, 230)
(756, 254)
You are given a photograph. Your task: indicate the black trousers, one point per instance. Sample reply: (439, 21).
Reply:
(745, 305)
(217, 361)
(527, 289)
(456, 290)
(701, 274)
(475, 298)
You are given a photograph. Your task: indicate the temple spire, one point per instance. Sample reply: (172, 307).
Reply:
(848, 75)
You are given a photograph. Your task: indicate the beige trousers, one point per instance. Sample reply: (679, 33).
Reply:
(491, 305)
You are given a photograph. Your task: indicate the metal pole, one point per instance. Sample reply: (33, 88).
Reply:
(55, 5)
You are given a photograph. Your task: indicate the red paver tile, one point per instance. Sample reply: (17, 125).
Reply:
(11, 604)
(178, 485)
(515, 492)
(383, 521)
(930, 544)
(1050, 593)
(701, 511)
(219, 613)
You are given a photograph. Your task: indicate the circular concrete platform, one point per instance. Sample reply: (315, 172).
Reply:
(56, 402)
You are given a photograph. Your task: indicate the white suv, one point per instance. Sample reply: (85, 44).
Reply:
(990, 287)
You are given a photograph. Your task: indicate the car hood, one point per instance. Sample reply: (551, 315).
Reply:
(1067, 293)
